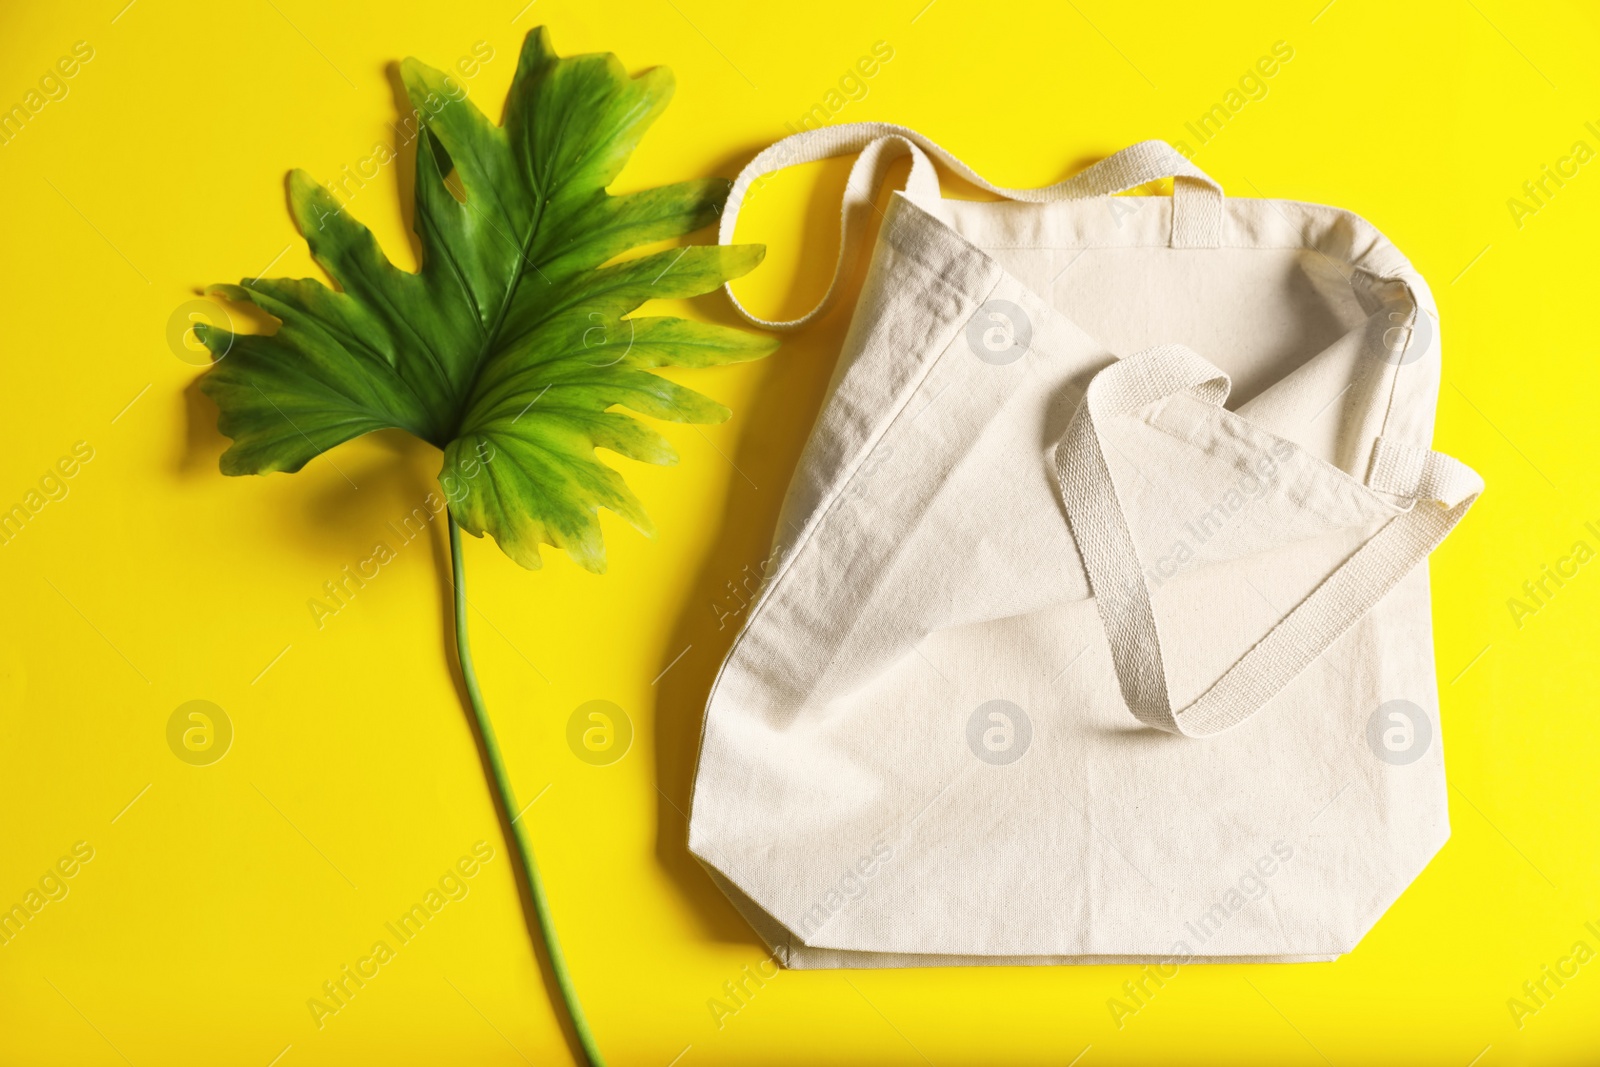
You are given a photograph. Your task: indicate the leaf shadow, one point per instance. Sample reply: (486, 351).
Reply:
(398, 476)
(203, 444)
(407, 135)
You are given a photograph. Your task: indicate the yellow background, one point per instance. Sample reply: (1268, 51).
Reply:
(225, 895)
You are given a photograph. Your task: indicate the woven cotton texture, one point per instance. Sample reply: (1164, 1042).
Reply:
(1098, 626)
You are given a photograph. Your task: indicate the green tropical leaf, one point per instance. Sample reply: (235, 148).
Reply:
(513, 347)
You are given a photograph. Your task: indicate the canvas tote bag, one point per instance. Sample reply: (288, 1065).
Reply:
(1097, 626)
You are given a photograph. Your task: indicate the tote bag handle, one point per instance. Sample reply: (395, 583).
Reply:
(1196, 208)
(1439, 489)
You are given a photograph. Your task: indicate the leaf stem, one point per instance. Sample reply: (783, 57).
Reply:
(508, 804)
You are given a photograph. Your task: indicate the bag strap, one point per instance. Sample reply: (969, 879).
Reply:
(1439, 490)
(1196, 209)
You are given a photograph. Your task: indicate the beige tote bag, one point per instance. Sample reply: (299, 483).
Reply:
(1098, 627)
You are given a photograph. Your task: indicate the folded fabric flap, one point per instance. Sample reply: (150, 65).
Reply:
(1157, 477)
(952, 517)
(1199, 484)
